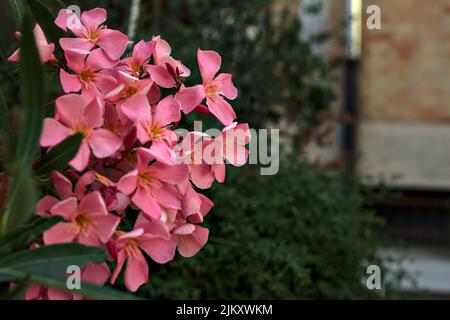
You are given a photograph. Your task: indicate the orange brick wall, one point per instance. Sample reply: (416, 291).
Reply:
(405, 70)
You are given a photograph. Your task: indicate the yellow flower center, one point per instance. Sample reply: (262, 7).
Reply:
(211, 90)
(155, 131)
(130, 91)
(93, 34)
(82, 222)
(87, 76)
(132, 247)
(146, 178)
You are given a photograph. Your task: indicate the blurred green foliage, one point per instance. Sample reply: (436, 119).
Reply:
(290, 236)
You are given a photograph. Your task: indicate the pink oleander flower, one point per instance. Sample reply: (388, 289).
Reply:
(191, 153)
(130, 88)
(77, 115)
(45, 49)
(153, 185)
(214, 89)
(154, 240)
(90, 32)
(165, 70)
(153, 124)
(229, 146)
(88, 73)
(87, 221)
(135, 64)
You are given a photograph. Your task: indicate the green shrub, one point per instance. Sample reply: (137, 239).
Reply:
(292, 235)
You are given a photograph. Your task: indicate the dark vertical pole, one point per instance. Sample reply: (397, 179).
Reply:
(350, 114)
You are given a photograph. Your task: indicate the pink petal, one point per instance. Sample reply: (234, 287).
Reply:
(62, 185)
(15, 56)
(162, 152)
(189, 245)
(71, 109)
(67, 18)
(46, 51)
(104, 143)
(190, 98)
(143, 50)
(75, 59)
(184, 229)
(44, 205)
(69, 82)
(81, 159)
(105, 226)
(144, 200)
(128, 183)
(206, 204)
(171, 174)
(98, 60)
(167, 111)
(236, 154)
(209, 63)
(137, 108)
(160, 250)
(191, 202)
(155, 229)
(144, 156)
(219, 171)
(56, 294)
(53, 132)
(201, 175)
(93, 18)
(76, 44)
(63, 232)
(82, 184)
(114, 43)
(226, 87)
(96, 274)
(67, 208)
(136, 272)
(162, 49)
(93, 204)
(93, 114)
(168, 197)
(161, 76)
(221, 109)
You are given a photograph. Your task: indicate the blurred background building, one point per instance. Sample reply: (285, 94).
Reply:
(403, 127)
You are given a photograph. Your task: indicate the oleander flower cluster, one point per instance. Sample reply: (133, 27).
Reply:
(134, 185)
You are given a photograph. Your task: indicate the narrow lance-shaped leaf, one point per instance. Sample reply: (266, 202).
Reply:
(59, 156)
(48, 265)
(32, 93)
(5, 119)
(20, 238)
(46, 20)
(17, 9)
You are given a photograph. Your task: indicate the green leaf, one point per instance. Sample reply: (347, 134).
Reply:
(48, 261)
(5, 118)
(20, 238)
(32, 94)
(59, 156)
(17, 9)
(47, 265)
(19, 209)
(46, 20)
(87, 289)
